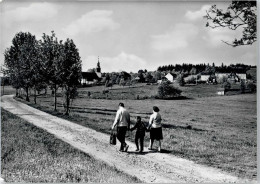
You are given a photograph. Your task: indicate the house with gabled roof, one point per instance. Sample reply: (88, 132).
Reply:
(169, 77)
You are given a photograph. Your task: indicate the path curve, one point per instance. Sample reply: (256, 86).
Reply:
(151, 167)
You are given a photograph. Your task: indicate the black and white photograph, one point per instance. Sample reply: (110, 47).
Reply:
(129, 91)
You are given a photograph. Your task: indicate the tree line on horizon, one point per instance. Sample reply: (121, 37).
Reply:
(203, 68)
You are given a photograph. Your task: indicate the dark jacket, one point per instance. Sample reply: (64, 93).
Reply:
(141, 128)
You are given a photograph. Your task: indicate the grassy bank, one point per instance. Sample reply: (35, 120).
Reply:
(218, 131)
(29, 154)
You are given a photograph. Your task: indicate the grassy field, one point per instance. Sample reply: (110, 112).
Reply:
(143, 91)
(29, 154)
(218, 131)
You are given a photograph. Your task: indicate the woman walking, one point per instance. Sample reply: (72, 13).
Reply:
(155, 127)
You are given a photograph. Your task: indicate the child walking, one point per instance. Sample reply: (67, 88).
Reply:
(140, 133)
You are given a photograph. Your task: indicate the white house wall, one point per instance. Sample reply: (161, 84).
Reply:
(169, 77)
(204, 77)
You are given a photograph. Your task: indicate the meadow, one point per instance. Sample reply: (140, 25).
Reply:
(218, 131)
(143, 91)
(30, 154)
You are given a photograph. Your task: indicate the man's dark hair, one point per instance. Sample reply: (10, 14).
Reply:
(121, 104)
(156, 109)
(138, 118)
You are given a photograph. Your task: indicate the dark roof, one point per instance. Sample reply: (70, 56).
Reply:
(89, 76)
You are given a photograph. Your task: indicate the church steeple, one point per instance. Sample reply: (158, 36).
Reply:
(98, 66)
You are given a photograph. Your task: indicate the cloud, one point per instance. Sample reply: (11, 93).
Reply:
(122, 62)
(249, 58)
(34, 12)
(178, 37)
(214, 37)
(195, 15)
(94, 21)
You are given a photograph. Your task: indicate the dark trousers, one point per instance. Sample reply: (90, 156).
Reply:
(141, 138)
(121, 132)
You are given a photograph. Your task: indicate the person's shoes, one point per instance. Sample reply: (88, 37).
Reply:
(149, 148)
(126, 148)
(121, 150)
(137, 150)
(141, 151)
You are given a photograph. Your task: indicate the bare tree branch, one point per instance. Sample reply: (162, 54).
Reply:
(238, 14)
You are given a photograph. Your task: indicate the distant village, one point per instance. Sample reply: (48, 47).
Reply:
(187, 73)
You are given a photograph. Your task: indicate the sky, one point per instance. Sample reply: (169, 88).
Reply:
(127, 36)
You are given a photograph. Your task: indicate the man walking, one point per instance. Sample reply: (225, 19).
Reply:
(122, 121)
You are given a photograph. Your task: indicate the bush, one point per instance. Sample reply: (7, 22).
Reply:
(191, 80)
(242, 86)
(222, 79)
(105, 91)
(180, 80)
(165, 89)
(226, 85)
(252, 87)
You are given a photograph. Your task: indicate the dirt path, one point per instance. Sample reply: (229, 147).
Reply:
(148, 167)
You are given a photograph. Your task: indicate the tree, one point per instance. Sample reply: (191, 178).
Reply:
(20, 61)
(38, 76)
(70, 71)
(193, 71)
(180, 80)
(114, 78)
(239, 14)
(165, 89)
(11, 68)
(148, 77)
(242, 86)
(109, 84)
(158, 75)
(252, 87)
(122, 82)
(210, 70)
(141, 76)
(118, 79)
(133, 82)
(52, 53)
(226, 85)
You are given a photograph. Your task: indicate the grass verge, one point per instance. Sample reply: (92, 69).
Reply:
(30, 154)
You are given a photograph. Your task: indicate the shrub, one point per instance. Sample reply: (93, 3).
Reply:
(226, 85)
(145, 97)
(252, 87)
(191, 80)
(242, 86)
(105, 91)
(165, 89)
(180, 80)
(222, 79)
